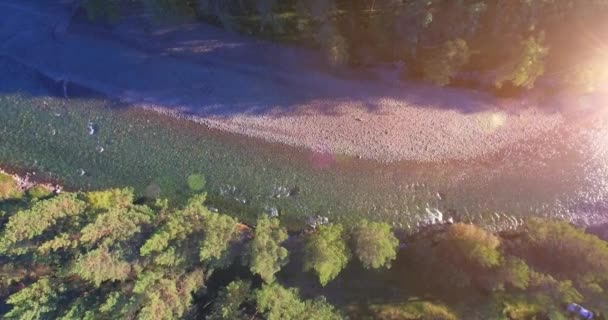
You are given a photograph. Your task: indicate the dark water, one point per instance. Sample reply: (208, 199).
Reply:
(561, 174)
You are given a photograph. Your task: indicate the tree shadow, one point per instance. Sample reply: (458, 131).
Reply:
(198, 69)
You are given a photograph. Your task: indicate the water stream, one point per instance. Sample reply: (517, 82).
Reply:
(90, 143)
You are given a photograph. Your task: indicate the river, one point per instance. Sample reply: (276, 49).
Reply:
(90, 142)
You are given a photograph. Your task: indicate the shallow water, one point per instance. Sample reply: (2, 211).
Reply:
(92, 143)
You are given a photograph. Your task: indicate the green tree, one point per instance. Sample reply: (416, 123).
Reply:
(320, 309)
(178, 226)
(443, 63)
(101, 265)
(220, 232)
(514, 272)
(528, 66)
(117, 224)
(266, 254)
(228, 304)
(559, 248)
(470, 246)
(170, 298)
(326, 252)
(278, 303)
(375, 245)
(467, 255)
(28, 224)
(413, 310)
(40, 300)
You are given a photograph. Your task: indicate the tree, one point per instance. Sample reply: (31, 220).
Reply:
(220, 232)
(169, 298)
(102, 265)
(278, 303)
(467, 255)
(470, 246)
(375, 245)
(40, 300)
(227, 305)
(320, 309)
(559, 248)
(443, 63)
(266, 254)
(326, 252)
(528, 66)
(117, 224)
(178, 227)
(28, 224)
(514, 272)
(413, 310)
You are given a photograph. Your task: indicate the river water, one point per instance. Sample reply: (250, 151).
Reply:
(91, 143)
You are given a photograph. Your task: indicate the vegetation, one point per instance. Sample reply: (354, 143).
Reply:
(498, 42)
(326, 252)
(375, 245)
(413, 310)
(100, 255)
(9, 188)
(267, 256)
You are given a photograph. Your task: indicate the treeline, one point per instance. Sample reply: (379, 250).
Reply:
(105, 255)
(482, 43)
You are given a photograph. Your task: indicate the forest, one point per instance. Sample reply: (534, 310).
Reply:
(109, 255)
(504, 46)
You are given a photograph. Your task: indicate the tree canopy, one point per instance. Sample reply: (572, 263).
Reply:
(375, 245)
(326, 252)
(486, 43)
(267, 256)
(95, 255)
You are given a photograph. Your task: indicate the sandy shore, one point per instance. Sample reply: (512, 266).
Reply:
(202, 73)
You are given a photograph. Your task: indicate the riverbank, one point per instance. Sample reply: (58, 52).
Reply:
(359, 114)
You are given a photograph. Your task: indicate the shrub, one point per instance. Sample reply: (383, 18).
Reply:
(38, 192)
(413, 311)
(9, 188)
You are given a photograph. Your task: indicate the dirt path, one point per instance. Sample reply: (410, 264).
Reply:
(263, 90)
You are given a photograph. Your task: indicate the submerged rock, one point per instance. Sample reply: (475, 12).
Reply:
(272, 212)
(91, 128)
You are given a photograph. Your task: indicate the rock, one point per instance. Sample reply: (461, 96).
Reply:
(91, 128)
(293, 191)
(272, 212)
